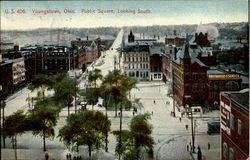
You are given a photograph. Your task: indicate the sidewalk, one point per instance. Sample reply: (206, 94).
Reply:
(208, 154)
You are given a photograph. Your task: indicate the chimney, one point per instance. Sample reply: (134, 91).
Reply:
(175, 32)
(196, 34)
(87, 38)
(16, 48)
(206, 35)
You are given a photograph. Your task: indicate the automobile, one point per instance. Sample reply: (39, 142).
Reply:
(213, 126)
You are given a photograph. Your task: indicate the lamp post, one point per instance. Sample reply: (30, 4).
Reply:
(189, 107)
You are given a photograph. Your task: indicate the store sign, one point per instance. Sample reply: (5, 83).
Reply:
(223, 76)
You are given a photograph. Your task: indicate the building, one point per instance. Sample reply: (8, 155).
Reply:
(200, 40)
(189, 78)
(234, 125)
(156, 52)
(177, 40)
(6, 77)
(136, 60)
(18, 71)
(218, 81)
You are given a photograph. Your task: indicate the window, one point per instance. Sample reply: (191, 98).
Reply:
(239, 127)
(210, 85)
(232, 85)
(216, 85)
(224, 149)
(221, 85)
(231, 121)
(187, 76)
(195, 87)
(231, 154)
(203, 76)
(195, 76)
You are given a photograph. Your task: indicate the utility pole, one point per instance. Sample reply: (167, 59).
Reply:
(120, 136)
(75, 94)
(3, 105)
(192, 127)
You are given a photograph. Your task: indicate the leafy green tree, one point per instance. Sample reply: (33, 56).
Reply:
(43, 119)
(141, 131)
(65, 91)
(138, 137)
(94, 76)
(41, 82)
(17, 125)
(85, 128)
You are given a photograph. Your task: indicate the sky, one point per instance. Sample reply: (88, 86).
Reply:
(157, 13)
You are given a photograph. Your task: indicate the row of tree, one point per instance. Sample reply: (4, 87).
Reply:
(88, 128)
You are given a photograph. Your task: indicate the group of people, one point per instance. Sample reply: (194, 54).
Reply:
(69, 157)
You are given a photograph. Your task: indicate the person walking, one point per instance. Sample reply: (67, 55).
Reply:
(208, 146)
(46, 156)
(199, 154)
(67, 156)
(187, 147)
(154, 101)
(180, 119)
(186, 127)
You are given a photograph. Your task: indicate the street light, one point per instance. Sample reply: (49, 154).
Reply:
(189, 107)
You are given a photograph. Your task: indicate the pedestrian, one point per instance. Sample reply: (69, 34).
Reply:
(154, 101)
(186, 127)
(67, 156)
(199, 154)
(74, 158)
(133, 113)
(152, 112)
(180, 119)
(208, 146)
(187, 147)
(46, 156)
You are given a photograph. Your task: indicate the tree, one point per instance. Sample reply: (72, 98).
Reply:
(17, 124)
(43, 119)
(94, 76)
(133, 140)
(141, 131)
(85, 128)
(65, 91)
(41, 82)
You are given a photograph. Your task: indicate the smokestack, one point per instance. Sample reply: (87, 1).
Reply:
(206, 35)
(87, 38)
(16, 48)
(175, 32)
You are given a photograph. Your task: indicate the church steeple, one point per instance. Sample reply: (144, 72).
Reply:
(131, 37)
(186, 51)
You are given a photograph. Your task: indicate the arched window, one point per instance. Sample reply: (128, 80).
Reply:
(224, 149)
(232, 85)
(231, 154)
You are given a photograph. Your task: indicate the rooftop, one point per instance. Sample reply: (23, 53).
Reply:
(241, 97)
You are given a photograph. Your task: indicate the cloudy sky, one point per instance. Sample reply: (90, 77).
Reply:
(161, 13)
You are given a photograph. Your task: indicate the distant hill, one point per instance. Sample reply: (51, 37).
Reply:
(215, 30)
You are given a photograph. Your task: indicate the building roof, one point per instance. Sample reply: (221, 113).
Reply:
(241, 97)
(156, 50)
(187, 52)
(215, 71)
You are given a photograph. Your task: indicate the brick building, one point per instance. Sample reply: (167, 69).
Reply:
(189, 78)
(156, 52)
(234, 125)
(177, 40)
